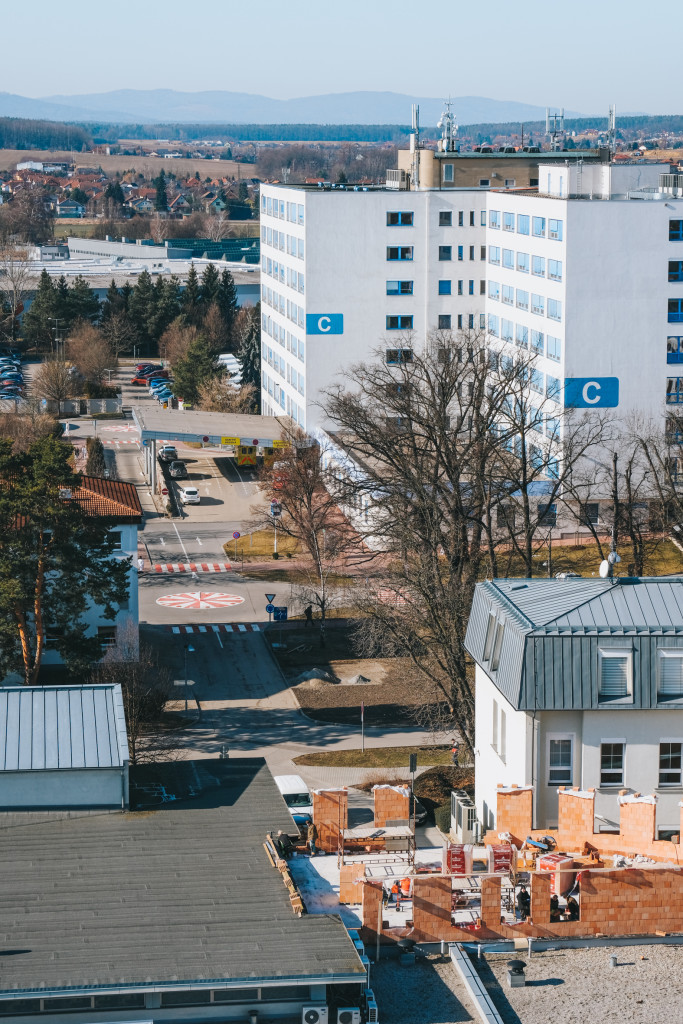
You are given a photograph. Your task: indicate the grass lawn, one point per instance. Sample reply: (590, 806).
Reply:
(377, 757)
(662, 557)
(259, 545)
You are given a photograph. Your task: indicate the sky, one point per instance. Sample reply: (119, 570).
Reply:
(582, 56)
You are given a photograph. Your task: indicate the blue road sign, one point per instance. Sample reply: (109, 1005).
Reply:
(270, 608)
(591, 392)
(280, 613)
(324, 323)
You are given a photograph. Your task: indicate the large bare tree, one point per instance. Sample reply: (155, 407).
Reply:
(15, 283)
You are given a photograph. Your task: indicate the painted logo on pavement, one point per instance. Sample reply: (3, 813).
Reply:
(198, 600)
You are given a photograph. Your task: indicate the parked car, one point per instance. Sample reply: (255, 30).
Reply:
(297, 796)
(144, 367)
(159, 385)
(178, 470)
(189, 495)
(164, 396)
(168, 453)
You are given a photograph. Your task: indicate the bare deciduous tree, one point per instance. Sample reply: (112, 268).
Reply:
(15, 280)
(119, 332)
(176, 340)
(218, 395)
(217, 226)
(89, 352)
(53, 382)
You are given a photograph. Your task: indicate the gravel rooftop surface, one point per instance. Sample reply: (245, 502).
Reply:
(430, 992)
(578, 986)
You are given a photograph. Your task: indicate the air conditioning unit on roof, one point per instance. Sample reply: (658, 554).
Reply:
(348, 1015)
(372, 1013)
(314, 1015)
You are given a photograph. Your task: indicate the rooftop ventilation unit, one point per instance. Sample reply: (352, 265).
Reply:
(398, 179)
(314, 1015)
(348, 1015)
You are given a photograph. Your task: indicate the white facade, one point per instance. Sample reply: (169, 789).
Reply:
(580, 283)
(513, 748)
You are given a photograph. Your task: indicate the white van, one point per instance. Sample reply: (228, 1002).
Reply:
(297, 797)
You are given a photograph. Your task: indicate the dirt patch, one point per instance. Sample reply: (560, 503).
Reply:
(434, 786)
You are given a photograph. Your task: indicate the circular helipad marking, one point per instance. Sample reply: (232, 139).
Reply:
(198, 600)
(123, 428)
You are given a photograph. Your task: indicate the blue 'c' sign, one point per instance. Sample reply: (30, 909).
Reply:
(591, 392)
(324, 323)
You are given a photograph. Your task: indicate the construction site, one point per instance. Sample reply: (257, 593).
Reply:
(519, 892)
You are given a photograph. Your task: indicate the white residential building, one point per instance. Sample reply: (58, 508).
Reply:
(579, 682)
(586, 274)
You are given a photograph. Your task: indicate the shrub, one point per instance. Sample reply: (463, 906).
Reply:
(442, 817)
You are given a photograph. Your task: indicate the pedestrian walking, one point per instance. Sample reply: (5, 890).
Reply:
(308, 612)
(455, 752)
(312, 836)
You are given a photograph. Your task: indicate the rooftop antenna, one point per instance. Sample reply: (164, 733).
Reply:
(554, 127)
(607, 565)
(415, 145)
(448, 128)
(612, 129)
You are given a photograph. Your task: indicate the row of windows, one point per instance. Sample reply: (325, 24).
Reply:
(283, 274)
(397, 253)
(524, 263)
(283, 337)
(285, 211)
(285, 243)
(552, 308)
(283, 368)
(533, 340)
(525, 224)
(612, 761)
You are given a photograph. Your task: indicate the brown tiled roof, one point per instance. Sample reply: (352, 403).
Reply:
(111, 498)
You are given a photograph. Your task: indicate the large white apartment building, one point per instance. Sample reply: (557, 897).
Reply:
(586, 274)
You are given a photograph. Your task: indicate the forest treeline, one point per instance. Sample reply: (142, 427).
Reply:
(23, 133)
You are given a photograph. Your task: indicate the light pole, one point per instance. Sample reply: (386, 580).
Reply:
(188, 649)
(56, 320)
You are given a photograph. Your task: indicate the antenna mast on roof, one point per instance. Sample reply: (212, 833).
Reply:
(612, 129)
(448, 129)
(415, 145)
(607, 565)
(554, 127)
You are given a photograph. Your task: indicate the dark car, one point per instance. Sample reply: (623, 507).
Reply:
(420, 813)
(178, 470)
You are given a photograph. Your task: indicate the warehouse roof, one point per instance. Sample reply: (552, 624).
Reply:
(45, 728)
(159, 899)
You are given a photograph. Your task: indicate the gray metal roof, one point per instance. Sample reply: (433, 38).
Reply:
(43, 728)
(181, 894)
(193, 425)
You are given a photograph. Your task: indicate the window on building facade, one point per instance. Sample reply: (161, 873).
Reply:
(460, 287)
(616, 669)
(448, 172)
(399, 252)
(470, 289)
(555, 229)
(538, 266)
(471, 218)
(560, 761)
(670, 763)
(494, 325)
(461, 219)
(444, 321)
(494, 255)
(589, 514)
(459, 321)
(674, 391)
(484, 182)
(445, 253)
(497, 646)
(523, 262)
(444, 287)
(670, 668)
(399, 217)
(676, 311)
(461, 252)
(547, 515)
(522, 299)
(399, 323)
(400, 287)
(494, 219)
(538, 304)
(676, 230)
(522, 336)
(554, 349)
(508, 294)
(494, 290)
(471, 252)
(555, 270)
(522, 224)
(396, 356)
(674, 349)
(106, 636)
(554, 309)
(612, 763)
(445, 218)
(509, 259)
(506, 330)
(508, 222)
(537, 342)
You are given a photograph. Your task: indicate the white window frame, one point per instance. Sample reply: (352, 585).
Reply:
(613, 785)
(494, 726)
(571, 736)
(667, 652)
(668, 785)
(616, 652)
(448, 173)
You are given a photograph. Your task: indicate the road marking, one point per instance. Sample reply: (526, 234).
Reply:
(242, 481)
(199, 542)
(162, 541)
(176, 629)
(197, 600)
(193, 567)
(202, 629)
(216, 630)
(180, 541)
(242, 628)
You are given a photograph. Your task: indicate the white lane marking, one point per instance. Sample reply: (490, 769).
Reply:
(176, 629)
(216, 630)
(200, 543)
(242, 628)
(202, 629)
(255, 627)
(162, 541)
(241, 480)
(180, 541)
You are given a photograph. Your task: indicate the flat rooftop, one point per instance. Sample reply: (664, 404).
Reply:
(194, 425)
(179, 894)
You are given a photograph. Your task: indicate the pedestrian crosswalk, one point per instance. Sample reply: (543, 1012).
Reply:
(166, 567)
(218, 627)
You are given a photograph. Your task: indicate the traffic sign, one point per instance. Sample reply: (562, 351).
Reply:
(145, 444)
(280, 444)
(230, 440)
(235, 535)
(255, 442)
(205, 439)
(270, 608)
(164, 490)
(280, 613)
(270, 598)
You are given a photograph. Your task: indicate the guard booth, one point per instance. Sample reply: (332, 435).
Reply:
(246, 455)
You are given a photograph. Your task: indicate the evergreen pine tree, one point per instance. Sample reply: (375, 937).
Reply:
(141, 310)
(161, 198)
(199, 365)
(37, 326)
(242, 192)
(191, 299)
(126, 293)
(210, 285)
(227, 302)
(249, 353)
(82, 303)
(112, 302)
(166, 306)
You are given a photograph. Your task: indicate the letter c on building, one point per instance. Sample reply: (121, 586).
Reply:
(321, 320)
(592, 384)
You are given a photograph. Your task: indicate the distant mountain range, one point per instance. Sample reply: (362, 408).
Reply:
(167, 105)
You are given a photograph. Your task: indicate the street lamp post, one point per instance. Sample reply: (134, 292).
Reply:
(57, 320)
(188, 649)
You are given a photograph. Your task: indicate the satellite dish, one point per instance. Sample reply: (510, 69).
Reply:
(613, 558)
(604, 569)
